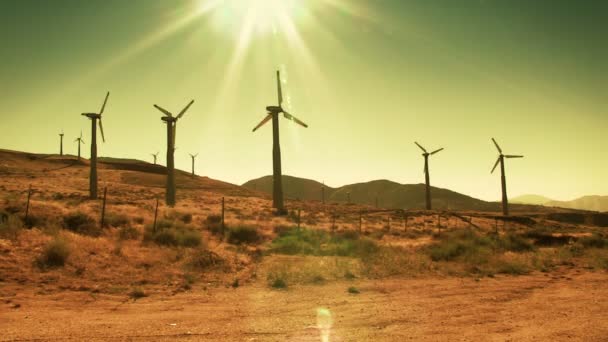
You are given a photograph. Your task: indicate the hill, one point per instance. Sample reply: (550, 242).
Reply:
(388, 194)
(592, 203)
(530, 199)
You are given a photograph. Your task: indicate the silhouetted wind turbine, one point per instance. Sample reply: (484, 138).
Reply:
(61, 143)
(503, 181)
(171, 122)
(273, 113)
(79, 141)
(193, 157)
(155, 155)
(426, 173)
(94, 117)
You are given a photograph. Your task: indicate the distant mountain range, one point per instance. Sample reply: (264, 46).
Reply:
(591, 203)
(530, 199)
(388, 194)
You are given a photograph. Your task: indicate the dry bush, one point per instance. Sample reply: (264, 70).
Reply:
(115, 220)
(10, 226)
(81, 223)
(54, 254)
(128, 233)
(243, 234)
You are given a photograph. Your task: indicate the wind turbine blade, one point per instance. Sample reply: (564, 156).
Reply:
(498, 147)
(166, 112)
(279, 88)
(82, 141)
(185, 109)
(422, 148)
(104, 103)
(268, 117)
(441, 149)
(293, 118)
(513, 156)
(495, 165)
(196, 155)
(103, 138)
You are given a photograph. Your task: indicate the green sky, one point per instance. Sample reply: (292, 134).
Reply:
(369, 77)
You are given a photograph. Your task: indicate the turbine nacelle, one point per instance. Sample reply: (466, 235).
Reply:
(274, 109)
(502, 156)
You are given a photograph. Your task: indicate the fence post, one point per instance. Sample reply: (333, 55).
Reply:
(360, 222)
(223, 211)
(103, 206)
(27, 206)
(155, 216)
(333, 221)
(299, 218)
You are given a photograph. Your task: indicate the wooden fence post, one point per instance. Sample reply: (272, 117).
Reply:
(27, 206)
(223, 214)
(103, 206)
(155, 216)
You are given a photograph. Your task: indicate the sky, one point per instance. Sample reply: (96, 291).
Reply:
(368, 77)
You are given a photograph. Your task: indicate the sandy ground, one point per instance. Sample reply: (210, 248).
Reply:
(565, 305)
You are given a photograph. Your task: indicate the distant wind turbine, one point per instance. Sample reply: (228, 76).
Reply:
(193, 158)
(61, 143)
(155, 155)
(171, 122)
(503, 181)
(94, 117)
(426, 173)
(80, 142)
(273, 113)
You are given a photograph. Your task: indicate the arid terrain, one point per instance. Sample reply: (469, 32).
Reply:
(333, 272)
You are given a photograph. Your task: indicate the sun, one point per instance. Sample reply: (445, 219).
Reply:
(262, 16)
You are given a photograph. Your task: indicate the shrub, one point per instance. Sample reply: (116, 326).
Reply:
(203, 259)
(243, 234)
(189, 238)
(128, 233)
(516, 243)
(594, 241)
(55, 254)
(173, 235)
(318, 242)
(10, 225)
(81, 223)
(353, 290)
(32, 221)
(115, 220)
(137, 293)
(186, 218)
(214, 224)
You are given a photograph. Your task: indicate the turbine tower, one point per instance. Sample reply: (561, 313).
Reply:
(61, 143)
(155, 155)
(79, 141)
(193, 157)
(426, 173)
(94, 117)
(171, 122)
(503, 181)
(273, 113)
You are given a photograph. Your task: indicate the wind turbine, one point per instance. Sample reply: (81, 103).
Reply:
(273, 113)
(155, 155)
(503, 181)
(193, 157)
(61, 143)
(80, 141)
(94, 117)
(171, 122)
(426, 173)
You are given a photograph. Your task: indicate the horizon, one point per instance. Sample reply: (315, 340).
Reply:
(359, 73)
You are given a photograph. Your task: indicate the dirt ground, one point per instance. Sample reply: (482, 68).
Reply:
(568, 304)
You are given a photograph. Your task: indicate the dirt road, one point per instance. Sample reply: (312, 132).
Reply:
(564, 305)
